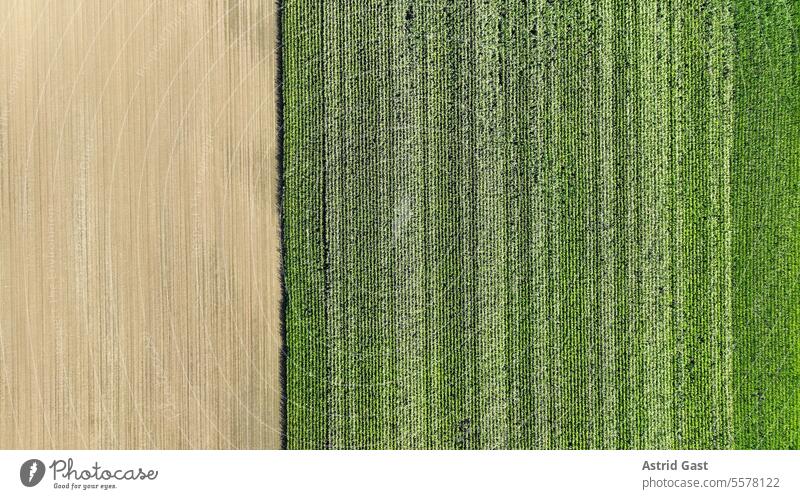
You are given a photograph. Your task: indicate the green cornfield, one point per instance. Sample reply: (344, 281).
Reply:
(541, 224)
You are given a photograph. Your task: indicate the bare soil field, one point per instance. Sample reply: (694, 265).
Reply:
(139, 240)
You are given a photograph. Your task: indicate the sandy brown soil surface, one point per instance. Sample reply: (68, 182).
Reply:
(139, 249)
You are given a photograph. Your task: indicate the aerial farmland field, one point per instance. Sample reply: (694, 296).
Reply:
(541, 224)
(139, 226)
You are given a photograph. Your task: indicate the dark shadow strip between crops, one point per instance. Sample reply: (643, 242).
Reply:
(281, 224)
